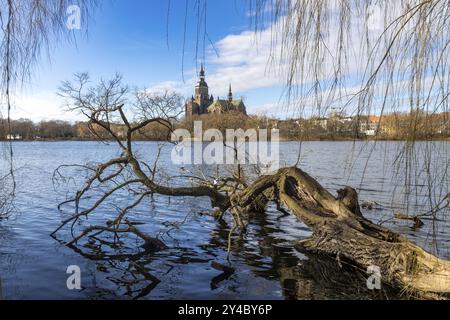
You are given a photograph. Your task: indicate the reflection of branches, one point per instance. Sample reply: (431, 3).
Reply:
(148, 277)
(149, 242)
(135, 268)
(7, 187)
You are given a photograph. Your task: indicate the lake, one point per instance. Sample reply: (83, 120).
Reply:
(266, 266)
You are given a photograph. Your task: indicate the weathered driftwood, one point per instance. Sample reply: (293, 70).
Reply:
(340, 230)
(418, 223)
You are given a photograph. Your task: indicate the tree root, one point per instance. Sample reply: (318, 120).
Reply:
(340, 230)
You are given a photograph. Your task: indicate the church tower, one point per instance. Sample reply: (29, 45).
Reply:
(203, 103)
(201, 92)
(230, 94)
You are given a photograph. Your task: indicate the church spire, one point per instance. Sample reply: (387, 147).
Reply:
(202, 72)
(230, 93)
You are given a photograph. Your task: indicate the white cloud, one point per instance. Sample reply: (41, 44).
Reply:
(266, 9)
(243, 60)
(253, 59)
(240, 59)
(175, 86)
(39, 106)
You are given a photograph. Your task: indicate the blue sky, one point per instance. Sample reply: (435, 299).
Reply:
(130, 37)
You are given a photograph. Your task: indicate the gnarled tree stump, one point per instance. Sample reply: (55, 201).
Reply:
(340, 230)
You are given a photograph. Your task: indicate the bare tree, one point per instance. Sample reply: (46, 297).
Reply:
(339, 229)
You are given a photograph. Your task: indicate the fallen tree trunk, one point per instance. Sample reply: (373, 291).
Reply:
(340, 230)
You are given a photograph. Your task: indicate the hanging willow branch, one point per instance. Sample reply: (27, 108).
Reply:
(27, 28)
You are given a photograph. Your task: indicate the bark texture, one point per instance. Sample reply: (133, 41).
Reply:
(340, 230)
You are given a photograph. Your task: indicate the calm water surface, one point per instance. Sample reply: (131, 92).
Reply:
(33, 265)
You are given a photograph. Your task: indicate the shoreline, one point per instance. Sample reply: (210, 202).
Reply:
(192, 140)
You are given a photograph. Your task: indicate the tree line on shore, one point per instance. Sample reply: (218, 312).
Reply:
(393, 126)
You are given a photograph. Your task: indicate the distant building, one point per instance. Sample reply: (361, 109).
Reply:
(334, 119)
(13, 137)
(203, 103)
(322, 122)
(370, 126)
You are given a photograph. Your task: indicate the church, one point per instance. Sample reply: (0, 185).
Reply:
(203, 103)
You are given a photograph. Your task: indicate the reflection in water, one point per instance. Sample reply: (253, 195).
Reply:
(128, 271)
(227, 272)
(301, 276)
(323, 278)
